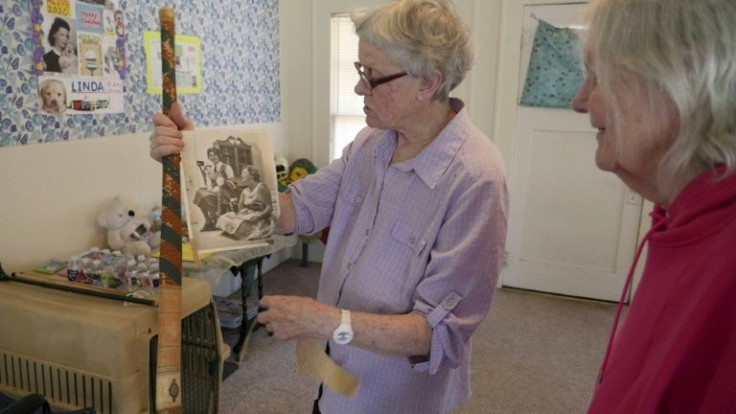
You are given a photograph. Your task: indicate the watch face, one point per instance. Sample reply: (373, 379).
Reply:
(343, 337)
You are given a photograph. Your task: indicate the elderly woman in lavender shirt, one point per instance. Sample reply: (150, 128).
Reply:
(417, 209)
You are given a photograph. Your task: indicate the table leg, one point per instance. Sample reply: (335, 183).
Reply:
(259, 266)
(247, 276)
(305, 254)
(243, 271)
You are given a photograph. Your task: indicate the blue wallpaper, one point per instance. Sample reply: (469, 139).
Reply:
(240, 70)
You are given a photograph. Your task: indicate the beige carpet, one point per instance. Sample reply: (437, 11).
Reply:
(534, 353)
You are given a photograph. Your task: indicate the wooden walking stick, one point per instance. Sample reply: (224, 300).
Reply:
(168, 371)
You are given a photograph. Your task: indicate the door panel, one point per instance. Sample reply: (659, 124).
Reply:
(573, 228)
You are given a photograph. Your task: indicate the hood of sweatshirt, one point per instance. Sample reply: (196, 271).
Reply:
(701, 209)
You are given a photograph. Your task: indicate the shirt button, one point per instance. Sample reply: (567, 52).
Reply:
(451, 302)
(358, 199)
(367, 232)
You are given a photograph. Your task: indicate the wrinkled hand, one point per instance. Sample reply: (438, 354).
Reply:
(166, 136)
(293, 317)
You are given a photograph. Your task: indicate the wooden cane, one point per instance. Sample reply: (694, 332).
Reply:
(168, 371)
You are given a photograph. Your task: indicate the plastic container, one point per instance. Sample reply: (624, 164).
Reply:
(131, 275)
(74, 269)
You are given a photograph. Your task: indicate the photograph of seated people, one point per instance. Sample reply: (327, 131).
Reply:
(214, 198)
(417, 207)
(661, 91)
(253, 218)
(58, 38)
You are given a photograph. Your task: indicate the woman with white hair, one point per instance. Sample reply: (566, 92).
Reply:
(417, 209)
(661, 90)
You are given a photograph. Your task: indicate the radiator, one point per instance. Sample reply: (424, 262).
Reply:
(83, 351)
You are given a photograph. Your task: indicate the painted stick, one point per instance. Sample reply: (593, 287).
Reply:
(168, 372)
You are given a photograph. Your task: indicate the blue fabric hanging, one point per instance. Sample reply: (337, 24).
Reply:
(555, 74)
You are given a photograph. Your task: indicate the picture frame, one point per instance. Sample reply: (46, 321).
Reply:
(229, 189)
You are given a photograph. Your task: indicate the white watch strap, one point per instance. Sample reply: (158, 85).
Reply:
(344, 332)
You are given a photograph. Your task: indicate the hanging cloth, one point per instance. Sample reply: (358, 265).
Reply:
(555, 74)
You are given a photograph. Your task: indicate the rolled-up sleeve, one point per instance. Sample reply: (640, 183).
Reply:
(462, 271)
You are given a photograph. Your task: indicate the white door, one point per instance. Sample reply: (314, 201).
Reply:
(572, 228)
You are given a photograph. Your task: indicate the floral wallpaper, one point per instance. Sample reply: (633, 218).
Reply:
(240, 70)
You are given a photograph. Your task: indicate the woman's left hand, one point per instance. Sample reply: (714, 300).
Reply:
(166, 136)
(293, 317)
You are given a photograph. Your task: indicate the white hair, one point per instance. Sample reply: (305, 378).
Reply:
(684, 49)
(421, 36)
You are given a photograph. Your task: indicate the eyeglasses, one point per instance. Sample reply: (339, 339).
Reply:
(372, 83)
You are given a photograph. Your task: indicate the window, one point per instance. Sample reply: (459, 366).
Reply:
(346, 108)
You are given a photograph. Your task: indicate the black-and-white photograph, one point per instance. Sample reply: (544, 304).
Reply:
(230, 188)
(60, 45)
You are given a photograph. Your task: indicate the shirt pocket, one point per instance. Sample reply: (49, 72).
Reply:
(410, 238)
(349, 202)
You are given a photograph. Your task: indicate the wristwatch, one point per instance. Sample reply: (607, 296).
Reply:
(344, 332)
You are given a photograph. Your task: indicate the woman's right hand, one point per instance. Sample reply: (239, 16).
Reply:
(166, 136)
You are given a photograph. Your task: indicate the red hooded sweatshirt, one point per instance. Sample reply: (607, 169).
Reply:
(676, 350)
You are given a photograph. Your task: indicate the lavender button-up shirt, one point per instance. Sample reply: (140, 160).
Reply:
(424, 235)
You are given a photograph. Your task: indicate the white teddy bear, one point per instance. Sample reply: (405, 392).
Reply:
(125, 231)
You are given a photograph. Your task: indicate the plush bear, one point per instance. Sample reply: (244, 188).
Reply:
(156, 216)
(125, 231)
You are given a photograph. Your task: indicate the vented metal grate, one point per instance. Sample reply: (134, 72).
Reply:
(58, 384)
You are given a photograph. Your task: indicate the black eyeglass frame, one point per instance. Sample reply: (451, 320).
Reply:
(372, 83)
